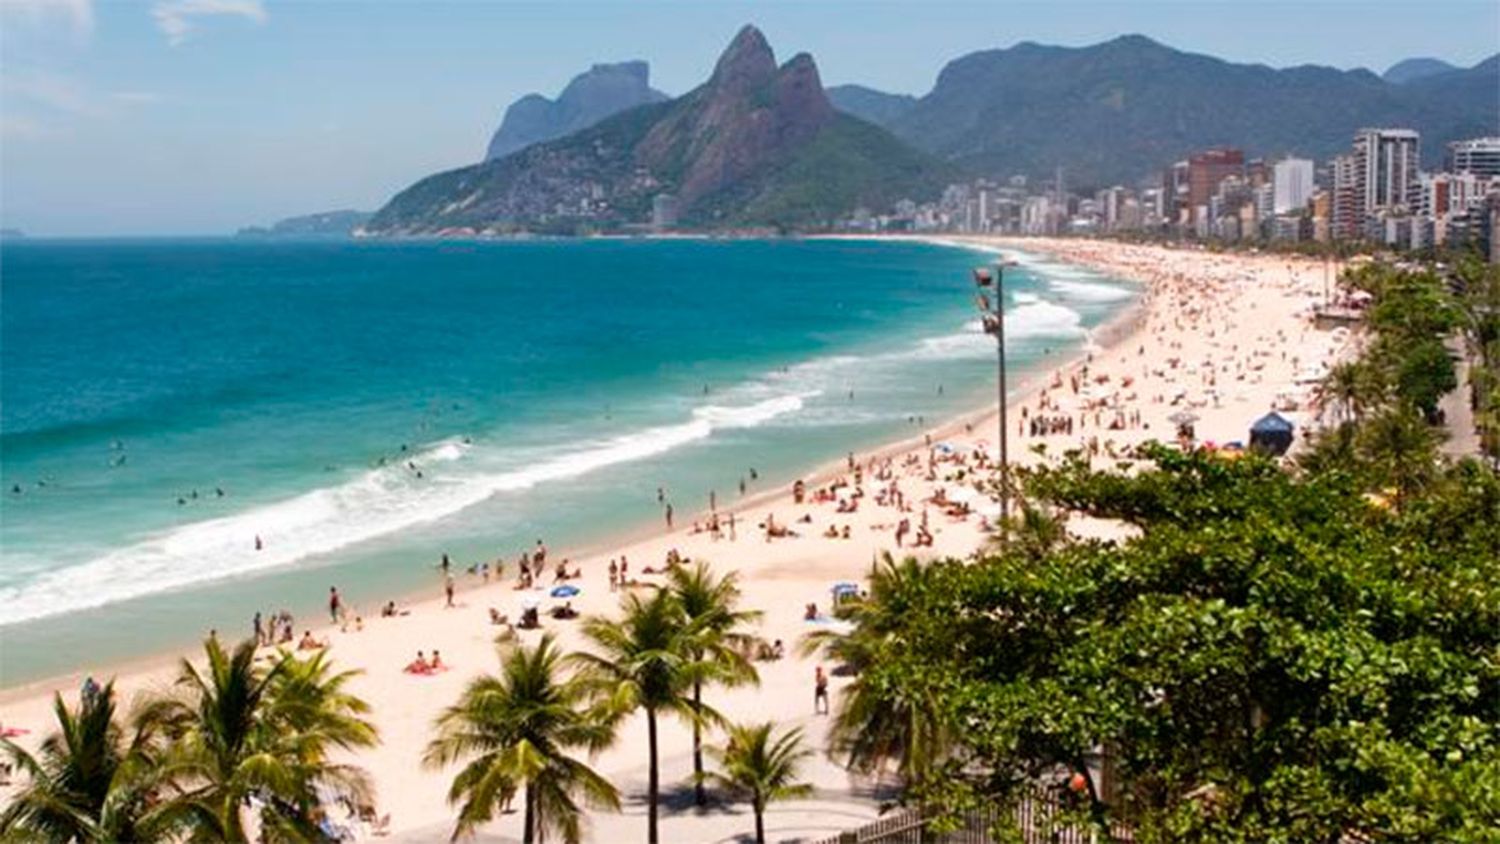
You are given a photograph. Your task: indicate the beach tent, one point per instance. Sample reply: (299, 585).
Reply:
(1272, 433)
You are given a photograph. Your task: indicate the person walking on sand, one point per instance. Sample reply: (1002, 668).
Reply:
(669, 517)
(335, 604)
(448, 589)
(614, 574)
(820, 691)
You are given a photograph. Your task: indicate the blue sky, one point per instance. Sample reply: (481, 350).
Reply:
(200, 116)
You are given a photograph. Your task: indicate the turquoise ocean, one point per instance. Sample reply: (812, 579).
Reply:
(364, 407)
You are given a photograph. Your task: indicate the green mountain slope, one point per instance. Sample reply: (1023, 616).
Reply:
(756, 145)
(1117, 111)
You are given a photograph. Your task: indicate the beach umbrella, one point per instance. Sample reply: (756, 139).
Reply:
(1183, 417)
(1272, 433)
(845, 588)
(567, 590)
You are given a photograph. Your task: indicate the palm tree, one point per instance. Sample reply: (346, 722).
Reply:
(871, 728)
(718, 649)
(1343, 387)
(516, 730)
(87, 783)
(761, 767)
(644, 661)
(1401, 446)
(258, 739)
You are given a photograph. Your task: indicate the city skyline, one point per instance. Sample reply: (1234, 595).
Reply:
(201, 116)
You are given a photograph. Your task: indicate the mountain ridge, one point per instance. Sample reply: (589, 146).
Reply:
(603, 90)
(756, 145)
(1119, 110)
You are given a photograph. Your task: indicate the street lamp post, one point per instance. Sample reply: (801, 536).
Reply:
(987, 279)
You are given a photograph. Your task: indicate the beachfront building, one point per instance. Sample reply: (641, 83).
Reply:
(1386, 167)
(1292, 184)
(1207, 170)
(663, 212)
(1478, 156)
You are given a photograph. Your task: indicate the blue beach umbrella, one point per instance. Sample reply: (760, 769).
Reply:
(845, 588)
(567, 590)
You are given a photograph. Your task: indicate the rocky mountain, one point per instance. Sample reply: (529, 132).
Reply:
(326, 224)
(1117, 111)
(877, 107)
(1408, 69)
(757, 145)
(602, 91)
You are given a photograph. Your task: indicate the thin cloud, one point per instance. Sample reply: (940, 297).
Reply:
(76, 15)
(175, 18)
(51, 91)
(21, 127)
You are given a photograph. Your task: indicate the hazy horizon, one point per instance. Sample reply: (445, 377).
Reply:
(197, 117)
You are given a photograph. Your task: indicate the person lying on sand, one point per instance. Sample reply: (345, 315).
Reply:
(418, 665)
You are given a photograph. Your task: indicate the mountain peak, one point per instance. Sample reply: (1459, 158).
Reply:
(1408, 70)
(755, 145)
(799, 91)
(601, 91)
(747, 59)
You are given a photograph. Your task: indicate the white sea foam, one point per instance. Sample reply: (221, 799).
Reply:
(377, 503)
(1079, 291)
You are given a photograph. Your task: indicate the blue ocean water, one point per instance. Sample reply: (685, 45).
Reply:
(363, 407)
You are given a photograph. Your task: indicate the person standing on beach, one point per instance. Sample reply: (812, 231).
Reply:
(335, 604)
(260, 629)
(448, 589)
(445, 564)
(820, 691)
(669, 517)
(614, 574)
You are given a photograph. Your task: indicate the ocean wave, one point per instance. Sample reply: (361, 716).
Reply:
(1080, 291)
(375, 504)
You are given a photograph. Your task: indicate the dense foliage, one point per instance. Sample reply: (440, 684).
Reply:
(1271, 652)
(1273, 658)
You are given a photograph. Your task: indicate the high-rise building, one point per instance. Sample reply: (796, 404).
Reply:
(1207, 169)
(1345, 219)
(1386, 163)
(1293, 184)
(663, 211)
(1480, 156)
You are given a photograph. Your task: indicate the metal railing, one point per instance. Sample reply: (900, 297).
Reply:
(1038, 817)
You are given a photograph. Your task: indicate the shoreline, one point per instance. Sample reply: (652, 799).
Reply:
(1223, 335)
(1119, 327)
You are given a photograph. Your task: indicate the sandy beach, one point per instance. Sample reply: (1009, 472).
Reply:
(1226, 338)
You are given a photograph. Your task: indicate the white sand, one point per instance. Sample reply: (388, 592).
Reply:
(1237, 326)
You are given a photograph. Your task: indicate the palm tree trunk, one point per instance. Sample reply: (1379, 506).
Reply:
(652, 783)
(700, 796)
(528, 835)
(760, 822)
